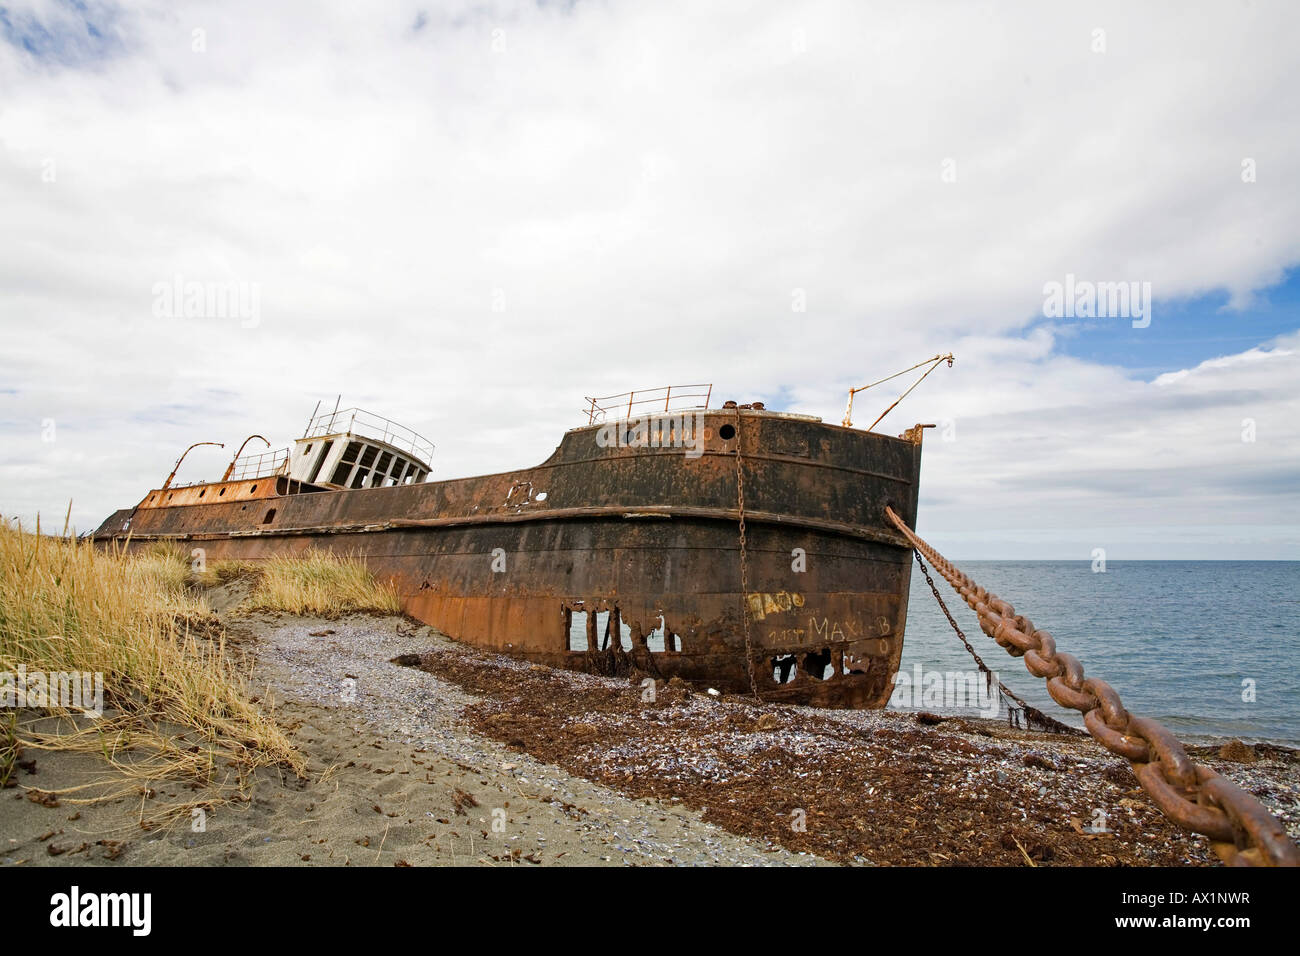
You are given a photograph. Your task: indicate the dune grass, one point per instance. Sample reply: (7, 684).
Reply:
(320, 584)
(9, 749)
(177, 699)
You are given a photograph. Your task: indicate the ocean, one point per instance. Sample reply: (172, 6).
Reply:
(1186, 642)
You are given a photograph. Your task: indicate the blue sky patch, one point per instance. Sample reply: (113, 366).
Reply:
(76, 34)
(1183, 333)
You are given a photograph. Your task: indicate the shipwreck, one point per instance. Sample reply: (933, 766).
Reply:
(734, 547)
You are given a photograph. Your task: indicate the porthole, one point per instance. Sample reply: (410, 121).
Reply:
(727, 432)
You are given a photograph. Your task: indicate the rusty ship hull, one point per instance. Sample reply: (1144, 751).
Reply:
(604, 558)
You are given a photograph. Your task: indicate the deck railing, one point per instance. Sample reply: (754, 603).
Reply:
(646, 401)
(369, 425)
(261, 466)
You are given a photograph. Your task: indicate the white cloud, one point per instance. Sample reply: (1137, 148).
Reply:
(647, 185)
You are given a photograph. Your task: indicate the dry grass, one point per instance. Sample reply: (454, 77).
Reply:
(223, 572)
(161, 576)
(320, 584)
(177, 700)
(9, 749)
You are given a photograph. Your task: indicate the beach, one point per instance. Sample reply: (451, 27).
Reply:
(422, 751)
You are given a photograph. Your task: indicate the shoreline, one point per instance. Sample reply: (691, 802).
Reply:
(472, 758)
(1198, 742)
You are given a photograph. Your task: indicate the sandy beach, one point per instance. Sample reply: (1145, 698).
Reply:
(421, 751)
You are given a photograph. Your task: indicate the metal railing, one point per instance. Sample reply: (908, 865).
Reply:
(261, 466)
(661, 399)
(369, 425)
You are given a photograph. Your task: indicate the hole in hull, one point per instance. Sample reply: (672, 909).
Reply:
(656, 641)
(818, 664)
(577, 631)
(603, 630)
(784, 669)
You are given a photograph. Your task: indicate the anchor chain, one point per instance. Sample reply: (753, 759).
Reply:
(1033, 716)
(744, 562)
(1241, 830)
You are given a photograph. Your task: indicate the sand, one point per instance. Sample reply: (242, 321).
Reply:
(473, 759)
(394, 779)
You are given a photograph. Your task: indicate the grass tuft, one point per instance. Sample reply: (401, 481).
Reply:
(9, 748)
(177, 702)
(320, 584)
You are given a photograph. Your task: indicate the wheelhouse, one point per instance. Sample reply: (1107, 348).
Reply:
(355, 449)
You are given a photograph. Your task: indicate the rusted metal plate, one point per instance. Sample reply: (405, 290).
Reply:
(612, 525)
(218, 492)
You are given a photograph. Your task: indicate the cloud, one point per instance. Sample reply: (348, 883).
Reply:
(1085, 457)
(647, 190)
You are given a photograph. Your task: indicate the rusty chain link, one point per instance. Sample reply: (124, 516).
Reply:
(1196, 798)
(744, 570)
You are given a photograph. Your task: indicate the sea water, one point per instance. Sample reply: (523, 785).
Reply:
(1211, 649)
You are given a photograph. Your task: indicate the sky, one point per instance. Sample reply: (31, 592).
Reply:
(470, 216)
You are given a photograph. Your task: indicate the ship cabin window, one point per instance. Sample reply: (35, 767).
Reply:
(344, 469)
(393, 475)
(320, 461)
(270, 516)
(368, 466)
